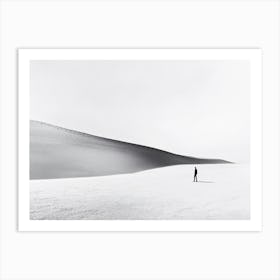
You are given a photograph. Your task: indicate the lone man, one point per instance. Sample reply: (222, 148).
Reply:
(195, 175)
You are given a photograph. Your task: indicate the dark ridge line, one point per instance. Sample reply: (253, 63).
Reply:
(125, 143)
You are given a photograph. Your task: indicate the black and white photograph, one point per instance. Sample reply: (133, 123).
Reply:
(139, 139)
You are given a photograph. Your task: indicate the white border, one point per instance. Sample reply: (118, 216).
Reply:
(253, 55)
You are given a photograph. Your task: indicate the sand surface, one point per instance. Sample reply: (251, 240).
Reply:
(222, 192)
(56, 152)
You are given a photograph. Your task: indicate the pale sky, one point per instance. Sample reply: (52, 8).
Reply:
(195, 108)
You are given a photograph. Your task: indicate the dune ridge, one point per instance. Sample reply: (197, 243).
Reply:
(57, 152)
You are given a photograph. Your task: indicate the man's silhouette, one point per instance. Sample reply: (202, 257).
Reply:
(195, 175)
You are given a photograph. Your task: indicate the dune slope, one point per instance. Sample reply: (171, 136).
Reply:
(56, 152)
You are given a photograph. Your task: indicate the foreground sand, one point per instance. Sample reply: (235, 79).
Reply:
(165, 193)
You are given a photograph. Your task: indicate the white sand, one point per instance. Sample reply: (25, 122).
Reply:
(164, 193)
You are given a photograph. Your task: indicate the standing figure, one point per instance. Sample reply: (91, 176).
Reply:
(195, 175)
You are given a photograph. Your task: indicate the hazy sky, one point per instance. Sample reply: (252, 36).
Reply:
(197, 108)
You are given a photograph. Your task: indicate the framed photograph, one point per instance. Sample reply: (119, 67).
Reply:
(140, 139)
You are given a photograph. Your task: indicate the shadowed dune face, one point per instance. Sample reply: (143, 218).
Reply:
(56, 152)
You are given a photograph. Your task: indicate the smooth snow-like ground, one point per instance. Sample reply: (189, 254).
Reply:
(223, 192)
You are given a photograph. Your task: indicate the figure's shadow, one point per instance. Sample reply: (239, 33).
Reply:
(205, 182)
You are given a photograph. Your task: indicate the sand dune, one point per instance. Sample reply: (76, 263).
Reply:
(56, 152)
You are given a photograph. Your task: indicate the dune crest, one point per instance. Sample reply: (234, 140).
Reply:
(57, 152)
